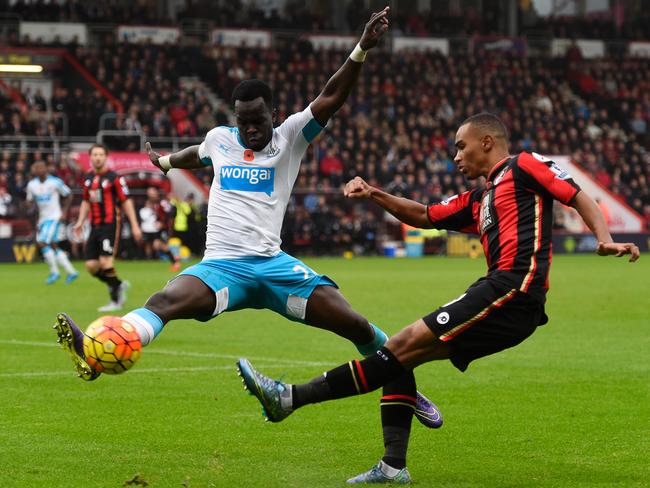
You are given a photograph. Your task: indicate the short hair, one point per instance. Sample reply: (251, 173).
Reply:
(489, 123)
(248, 90)
(97, 145)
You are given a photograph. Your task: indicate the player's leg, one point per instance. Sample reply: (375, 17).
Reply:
(47, 231)
(63, 261)
(301, 294)
(184, 297)
(117, 288)
(161, 246)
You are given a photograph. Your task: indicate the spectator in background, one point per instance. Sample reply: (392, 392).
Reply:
(5, 203)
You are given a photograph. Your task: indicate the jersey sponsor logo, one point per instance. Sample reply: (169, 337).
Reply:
(442, 318)
(95, 196)
(44, 198)
(246, 178)
(486, 217)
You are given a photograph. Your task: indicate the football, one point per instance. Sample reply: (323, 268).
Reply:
(111, 345)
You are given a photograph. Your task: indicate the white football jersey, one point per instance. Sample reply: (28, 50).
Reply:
(46, 195)
(250, 190)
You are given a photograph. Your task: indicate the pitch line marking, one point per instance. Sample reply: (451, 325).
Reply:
(169, 352)
(36, 374)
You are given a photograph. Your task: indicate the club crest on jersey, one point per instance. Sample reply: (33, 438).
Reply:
(273, 150)
(247, 178)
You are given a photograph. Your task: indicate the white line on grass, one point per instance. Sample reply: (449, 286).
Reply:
(26, 374)
(168, 352)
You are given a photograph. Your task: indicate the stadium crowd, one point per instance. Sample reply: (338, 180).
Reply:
(454, 20)
(396, 130)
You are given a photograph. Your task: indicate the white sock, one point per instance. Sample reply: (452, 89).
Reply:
(62, 259)
(388, 470)
(147, 323)
(50, 259)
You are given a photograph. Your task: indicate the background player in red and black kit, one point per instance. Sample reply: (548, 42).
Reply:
(512, 213)
(103, 192)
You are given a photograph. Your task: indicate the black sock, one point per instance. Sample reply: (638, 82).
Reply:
(353, 378)
(170, 255)
(397, 407)
(113, 283)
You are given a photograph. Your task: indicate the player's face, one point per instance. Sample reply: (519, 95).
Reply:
(40, 170)
(255, 123)
(98, 158)
(470, 157)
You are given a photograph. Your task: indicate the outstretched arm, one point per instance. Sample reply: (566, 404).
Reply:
(594, 219)
(405, 210)
(338, 87)
(187, 158)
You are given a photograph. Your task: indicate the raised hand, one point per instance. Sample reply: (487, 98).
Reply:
(618, 249)
(154, 157)
(375, 28)
(357, 188)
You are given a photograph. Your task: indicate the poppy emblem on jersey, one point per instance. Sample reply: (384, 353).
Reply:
(442, 318)
(246, 178)
(249, 155)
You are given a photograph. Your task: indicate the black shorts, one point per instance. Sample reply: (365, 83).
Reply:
(489, 317)
(102, 241)
(152, 236)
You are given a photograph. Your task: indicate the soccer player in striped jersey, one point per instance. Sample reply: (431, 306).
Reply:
(103, 192)
(47, 191)
(255, 167)
(512, 214)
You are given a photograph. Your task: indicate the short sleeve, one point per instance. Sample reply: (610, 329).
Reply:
(455, 213)
(300, 125)
(62, 188)
(29, 194)
(86, 193)
(204, 152)
(541, 174)
(121, 188)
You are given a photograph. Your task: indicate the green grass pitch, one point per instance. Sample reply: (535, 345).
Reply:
(568, 407)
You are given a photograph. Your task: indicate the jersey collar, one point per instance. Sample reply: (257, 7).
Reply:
(497, 167)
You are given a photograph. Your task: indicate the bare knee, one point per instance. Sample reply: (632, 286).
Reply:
(416, 344)
(92, 267)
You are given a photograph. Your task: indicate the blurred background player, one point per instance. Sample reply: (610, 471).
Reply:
(153, 219)
(103, 191)
(47, 191)
(255, 168)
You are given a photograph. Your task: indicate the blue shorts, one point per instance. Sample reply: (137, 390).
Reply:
(280, 283)
(48, 232)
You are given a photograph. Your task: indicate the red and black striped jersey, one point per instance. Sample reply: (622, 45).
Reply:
(103, 192)
(513, 215)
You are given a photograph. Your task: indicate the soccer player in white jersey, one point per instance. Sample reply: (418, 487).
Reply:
(255, 167)
(46, 191)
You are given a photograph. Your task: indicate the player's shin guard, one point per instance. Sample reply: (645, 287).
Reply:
(397, 407)
(353, 378)
(50, 259)
(373, 346)
(147, 323)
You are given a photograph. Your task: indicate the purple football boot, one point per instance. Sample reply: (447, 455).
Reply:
(427, 413)
(71, 339)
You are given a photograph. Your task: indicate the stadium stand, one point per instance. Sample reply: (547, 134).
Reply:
(396, 130)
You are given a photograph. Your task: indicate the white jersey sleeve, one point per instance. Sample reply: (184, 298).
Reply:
(300, 127)
(204, 148)
(29, 191)
(61, 187)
